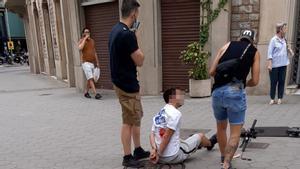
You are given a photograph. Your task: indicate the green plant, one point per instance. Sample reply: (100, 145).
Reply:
(195, 53)
(198, 58)
(207, 19)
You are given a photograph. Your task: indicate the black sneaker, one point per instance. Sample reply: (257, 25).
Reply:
(129, 161)
(213, 140)
(140, 153)
(87, 95)
(98, 96)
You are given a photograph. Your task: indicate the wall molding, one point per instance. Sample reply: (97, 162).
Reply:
(95, 2)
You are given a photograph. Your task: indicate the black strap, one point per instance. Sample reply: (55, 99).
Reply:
(188, 152)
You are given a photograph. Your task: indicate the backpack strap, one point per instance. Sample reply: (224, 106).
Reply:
(245, 51)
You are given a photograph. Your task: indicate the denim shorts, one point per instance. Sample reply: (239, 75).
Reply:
(229, 102)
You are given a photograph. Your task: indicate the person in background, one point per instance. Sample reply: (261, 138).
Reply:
(89, 60)
(18, 48)
(277, 62)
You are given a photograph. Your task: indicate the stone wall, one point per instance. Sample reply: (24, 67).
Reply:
(245, 14)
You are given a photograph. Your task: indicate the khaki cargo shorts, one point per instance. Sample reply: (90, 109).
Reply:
(132, 111)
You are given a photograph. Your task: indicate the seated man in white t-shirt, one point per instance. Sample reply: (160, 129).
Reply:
(167, 148)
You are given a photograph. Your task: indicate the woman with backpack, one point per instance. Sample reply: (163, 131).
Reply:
(230, 70)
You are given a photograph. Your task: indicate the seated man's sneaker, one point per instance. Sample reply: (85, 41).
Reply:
(140, 153)
(213, 140)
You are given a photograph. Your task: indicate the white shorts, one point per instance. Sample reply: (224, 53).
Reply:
(88, 69)
(187, 147)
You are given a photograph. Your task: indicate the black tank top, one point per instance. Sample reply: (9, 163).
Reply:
(235, 50)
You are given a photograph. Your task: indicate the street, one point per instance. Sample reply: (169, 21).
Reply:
(46, 125)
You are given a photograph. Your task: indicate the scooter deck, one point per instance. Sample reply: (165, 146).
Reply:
(272, 131)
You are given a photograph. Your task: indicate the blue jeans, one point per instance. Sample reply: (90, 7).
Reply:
(277, 78)
(229, 102)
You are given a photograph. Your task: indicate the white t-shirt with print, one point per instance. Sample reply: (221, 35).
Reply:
(168, 117)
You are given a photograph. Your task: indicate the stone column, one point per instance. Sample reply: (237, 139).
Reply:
(75, 33)
(29, 42)
(33, 53)
(150, 44)
(57, 38)
(47, 39)
(67, 42)
(39, 39)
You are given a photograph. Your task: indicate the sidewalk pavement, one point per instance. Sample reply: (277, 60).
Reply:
(46, 125)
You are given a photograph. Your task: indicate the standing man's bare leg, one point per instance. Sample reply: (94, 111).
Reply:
(231, 147)
(136, 134)
(92, 84)
(126, 133)
(87, 87)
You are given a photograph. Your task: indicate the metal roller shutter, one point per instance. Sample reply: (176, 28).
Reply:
(100, 19)
(180, 26)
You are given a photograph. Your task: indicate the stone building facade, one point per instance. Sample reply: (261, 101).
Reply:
(47, 24)
(244, 14)
(53, 29)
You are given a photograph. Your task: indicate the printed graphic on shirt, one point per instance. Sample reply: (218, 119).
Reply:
(160, 122)
(167, 118)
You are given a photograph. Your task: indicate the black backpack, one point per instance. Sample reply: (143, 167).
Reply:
(226, 71)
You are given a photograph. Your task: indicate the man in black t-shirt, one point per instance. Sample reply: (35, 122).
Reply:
(125, 56)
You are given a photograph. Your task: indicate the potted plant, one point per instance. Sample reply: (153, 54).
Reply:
(199, 83)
